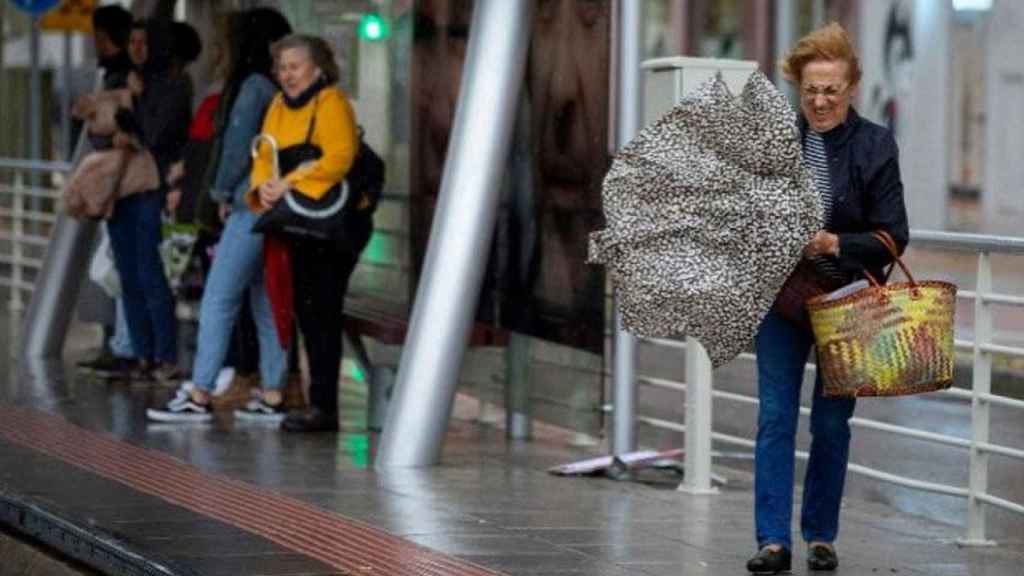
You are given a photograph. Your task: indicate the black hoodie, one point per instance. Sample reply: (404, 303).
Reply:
(163, 112)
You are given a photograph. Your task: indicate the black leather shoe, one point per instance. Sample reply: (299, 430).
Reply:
(822, 557)
(310, 420)
(768, 561)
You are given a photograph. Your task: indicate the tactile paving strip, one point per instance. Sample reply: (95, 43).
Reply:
(343, 543)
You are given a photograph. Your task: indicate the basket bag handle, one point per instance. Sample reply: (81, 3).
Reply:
(887, 241)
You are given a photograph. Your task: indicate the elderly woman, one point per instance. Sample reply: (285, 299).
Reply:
(312, 112)
(856, 171)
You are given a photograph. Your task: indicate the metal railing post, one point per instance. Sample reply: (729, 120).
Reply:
(518, 414)
(981, 385)
(697, 460)
(16, 303)
(629, 34)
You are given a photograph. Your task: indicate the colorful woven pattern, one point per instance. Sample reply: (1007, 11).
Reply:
(886, 340)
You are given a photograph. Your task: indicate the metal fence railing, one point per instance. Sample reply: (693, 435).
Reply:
(29, 200)
(700, 391)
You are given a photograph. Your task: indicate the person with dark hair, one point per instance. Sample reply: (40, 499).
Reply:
(159, 123)
(312, 118)
(111, 26)
(186, 46)
(187, 43)
(237, 270)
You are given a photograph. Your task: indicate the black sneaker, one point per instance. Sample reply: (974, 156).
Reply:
(258, 410)
(108, 366)
(769, 561)
(166, 373)
(181, 408)
(103, 356)
(822, 558)
(141, 371)
(310, 419)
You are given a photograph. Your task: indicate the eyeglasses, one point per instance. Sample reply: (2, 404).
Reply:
(831, 93)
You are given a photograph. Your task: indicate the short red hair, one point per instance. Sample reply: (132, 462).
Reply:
(829, 42)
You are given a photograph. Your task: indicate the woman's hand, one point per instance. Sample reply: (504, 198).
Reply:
(173, 201)
(823, 244)
(224, 210)
(85, 107)
(271, 191)
(135, 84)
(123, 140)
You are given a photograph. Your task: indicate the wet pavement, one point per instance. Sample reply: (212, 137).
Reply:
(490, 502)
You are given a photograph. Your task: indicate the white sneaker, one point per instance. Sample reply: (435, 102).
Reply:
(181, 408)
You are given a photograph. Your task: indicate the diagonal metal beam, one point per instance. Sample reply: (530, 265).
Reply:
(454, 265)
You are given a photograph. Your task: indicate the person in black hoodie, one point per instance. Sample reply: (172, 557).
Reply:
(158, 122)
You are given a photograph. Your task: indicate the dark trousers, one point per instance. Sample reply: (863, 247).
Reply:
(135, 231)
(321, 275)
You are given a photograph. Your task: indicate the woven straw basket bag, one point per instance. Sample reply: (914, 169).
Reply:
(887, 340)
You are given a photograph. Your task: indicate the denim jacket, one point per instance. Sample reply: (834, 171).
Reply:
(867, 192)
(232, 179)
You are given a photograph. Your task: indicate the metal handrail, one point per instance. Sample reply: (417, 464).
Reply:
(967, 242)
(980, 394)
(35, 165)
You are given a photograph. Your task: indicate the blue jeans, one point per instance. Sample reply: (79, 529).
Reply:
(121, 341)
(782, 350)
(135, 232)
(237, 270)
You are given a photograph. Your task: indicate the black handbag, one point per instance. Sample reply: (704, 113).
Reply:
(344, 215)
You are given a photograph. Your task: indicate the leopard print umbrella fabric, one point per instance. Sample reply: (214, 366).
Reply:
(707, 211)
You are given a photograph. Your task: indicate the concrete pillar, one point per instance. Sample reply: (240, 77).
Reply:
(758, 40)
(1002, 204)
(924, 148)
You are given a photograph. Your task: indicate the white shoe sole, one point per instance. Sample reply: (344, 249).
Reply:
(250, 417)
(164, 416)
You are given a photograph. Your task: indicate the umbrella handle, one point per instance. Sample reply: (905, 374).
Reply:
(254, 151)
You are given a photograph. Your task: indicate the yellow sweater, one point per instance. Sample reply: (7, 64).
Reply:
(335, 134)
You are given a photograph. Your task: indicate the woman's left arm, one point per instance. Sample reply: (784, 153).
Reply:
(884, 210)
(335, 133)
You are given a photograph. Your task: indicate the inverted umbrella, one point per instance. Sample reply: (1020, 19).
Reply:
(707, 212)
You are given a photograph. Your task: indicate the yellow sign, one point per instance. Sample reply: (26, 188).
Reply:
(71, 15)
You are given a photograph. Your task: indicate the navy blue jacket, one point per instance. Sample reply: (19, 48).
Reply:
(867, 192)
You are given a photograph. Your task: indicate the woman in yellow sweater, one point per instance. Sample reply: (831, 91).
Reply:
(311, 113)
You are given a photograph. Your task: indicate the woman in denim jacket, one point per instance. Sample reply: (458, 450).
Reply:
(237, 267)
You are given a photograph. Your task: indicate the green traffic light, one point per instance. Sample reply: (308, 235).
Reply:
(372, 27)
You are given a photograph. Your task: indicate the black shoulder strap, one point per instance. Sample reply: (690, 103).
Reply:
(312, 120)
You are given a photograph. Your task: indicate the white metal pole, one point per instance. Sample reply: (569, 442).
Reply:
(697, 460)
(65, 101)
(982, 385)
(16, 303)
(463, 225)
(56, 291)
(629, 98)
(35, 116)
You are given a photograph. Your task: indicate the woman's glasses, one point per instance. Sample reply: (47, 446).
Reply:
(830, 92)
